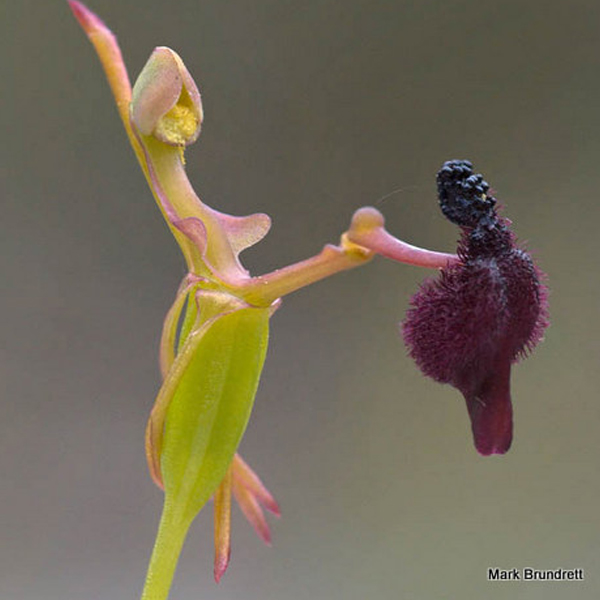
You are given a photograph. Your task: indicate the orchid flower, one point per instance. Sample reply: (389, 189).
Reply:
(215, 334)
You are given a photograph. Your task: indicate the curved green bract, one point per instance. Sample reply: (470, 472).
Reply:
(210, 407)
(203, 408)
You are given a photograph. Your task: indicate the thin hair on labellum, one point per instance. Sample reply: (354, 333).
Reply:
(482, 314)
(395, 192)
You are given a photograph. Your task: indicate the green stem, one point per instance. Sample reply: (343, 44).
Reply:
(170, 538)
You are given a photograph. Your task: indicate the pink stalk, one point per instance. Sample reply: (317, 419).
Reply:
(367, 230)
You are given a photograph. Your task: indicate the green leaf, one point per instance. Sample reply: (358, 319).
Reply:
(211, 404)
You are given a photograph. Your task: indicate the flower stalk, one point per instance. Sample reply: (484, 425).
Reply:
(170, 537)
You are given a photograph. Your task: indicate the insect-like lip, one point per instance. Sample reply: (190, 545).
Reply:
(482, 314)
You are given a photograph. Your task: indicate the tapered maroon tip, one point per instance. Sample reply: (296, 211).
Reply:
(492, 427)
(490, 411)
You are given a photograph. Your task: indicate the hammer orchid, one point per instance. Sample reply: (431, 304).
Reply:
(215, 335)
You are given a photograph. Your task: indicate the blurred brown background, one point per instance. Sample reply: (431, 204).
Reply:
(312, 110)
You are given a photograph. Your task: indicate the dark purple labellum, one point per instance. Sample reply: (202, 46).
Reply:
(468, 326)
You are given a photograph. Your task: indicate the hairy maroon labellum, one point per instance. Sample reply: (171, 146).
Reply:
(482, 314)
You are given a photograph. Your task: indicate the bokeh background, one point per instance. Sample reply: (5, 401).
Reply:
(312, 110)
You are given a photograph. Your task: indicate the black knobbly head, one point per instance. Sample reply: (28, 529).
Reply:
(463, 195)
